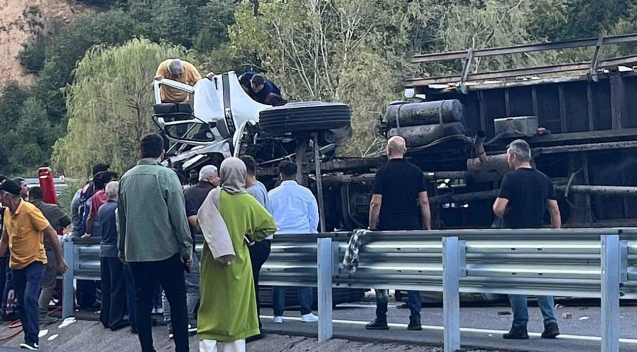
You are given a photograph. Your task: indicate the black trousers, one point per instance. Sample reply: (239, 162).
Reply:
(170, 274)
(259, 253)
(113, 293)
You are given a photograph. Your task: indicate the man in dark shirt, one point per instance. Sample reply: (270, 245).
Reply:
(524, 196)
(399, 202)
(111, 268)
(194, 197)
(261, 89)
(59, 221)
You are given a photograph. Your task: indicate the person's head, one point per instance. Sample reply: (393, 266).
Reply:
(233, 175)
(24, 188)
(36, 193)
(103, 178)
(396, 147)
(287, 170)
(251, 165)
(152, 147)
(99, 168)
(176, 68)
(210, 175)
(257, 82)
(112, 189)
(518, 153)
(10, 194)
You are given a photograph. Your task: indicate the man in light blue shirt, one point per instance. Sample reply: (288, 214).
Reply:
(295, 211)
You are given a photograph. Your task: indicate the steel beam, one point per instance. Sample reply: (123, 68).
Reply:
(324, 287)
(453, 264)
(611, 273)
(528, 48)
(68, 291)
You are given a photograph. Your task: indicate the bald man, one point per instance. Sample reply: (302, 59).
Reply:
(399, 202)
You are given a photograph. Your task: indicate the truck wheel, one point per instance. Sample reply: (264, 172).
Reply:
(304, 117)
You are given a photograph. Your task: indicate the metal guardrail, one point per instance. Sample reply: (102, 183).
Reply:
(591, 263)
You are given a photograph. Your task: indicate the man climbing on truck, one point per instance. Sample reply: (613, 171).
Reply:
(261, 89)
(180, 71)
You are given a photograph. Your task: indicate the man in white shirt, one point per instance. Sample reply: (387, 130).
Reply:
(295, 211)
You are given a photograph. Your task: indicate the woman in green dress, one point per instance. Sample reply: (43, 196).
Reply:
(228, 309)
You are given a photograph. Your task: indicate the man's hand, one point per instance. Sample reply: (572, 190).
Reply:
(62, 267)
(159, 77)
(122, 259)
(210, 75)
(187, 260)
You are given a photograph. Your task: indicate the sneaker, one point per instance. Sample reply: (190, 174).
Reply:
(170, 333)
(551, 331)
(192, 327)
(277, 320)
(377, 324)
(516, 333)
(309, 318)
(30, 346)
(414, 326)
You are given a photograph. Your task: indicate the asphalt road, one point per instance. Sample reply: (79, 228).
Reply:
(91, 336)
(482, 329)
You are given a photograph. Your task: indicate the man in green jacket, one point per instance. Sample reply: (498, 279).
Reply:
(59, 221)
(154, 239)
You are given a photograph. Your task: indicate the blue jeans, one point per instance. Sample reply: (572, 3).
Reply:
(521, 312)
(130, 297)
(306, 297)
(28, 282)
(413, 302)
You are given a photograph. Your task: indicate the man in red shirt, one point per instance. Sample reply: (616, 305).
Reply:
(98, 199)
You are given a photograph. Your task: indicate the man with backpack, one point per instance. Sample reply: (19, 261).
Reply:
(86, 298)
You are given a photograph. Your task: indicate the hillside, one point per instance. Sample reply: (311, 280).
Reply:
(18, 20)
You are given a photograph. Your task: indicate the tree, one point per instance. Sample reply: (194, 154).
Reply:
(337, 50)
(110, 105)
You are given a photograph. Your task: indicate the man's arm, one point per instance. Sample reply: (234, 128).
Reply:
(554, 210)
(425, 211)
(121, 223)
(162, 71)
(40, 223)
(4, 243)
(57, 249)
(377, 200)
(500, 205)
(504, 194)
(313, 213)
(177, 213)
(374, 210)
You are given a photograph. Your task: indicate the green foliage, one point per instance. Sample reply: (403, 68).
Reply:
(110, 104)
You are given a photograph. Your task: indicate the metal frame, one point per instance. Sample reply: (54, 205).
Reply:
(575, 262)
(469, 54)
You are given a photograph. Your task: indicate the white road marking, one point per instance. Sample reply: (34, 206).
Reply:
(471, 330)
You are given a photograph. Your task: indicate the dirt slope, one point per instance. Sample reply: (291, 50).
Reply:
(17, 18)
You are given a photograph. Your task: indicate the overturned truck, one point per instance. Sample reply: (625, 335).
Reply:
(578, 118)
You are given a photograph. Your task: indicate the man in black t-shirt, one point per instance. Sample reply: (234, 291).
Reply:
(524, 196)
(399, 202)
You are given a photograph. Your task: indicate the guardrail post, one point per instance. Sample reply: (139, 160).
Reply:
(453, 267)
(611, 272)
(67, 280)
(324, 288)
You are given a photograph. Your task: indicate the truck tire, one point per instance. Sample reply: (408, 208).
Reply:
(304, 117)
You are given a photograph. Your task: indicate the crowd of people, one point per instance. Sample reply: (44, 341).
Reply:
(148, 222)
